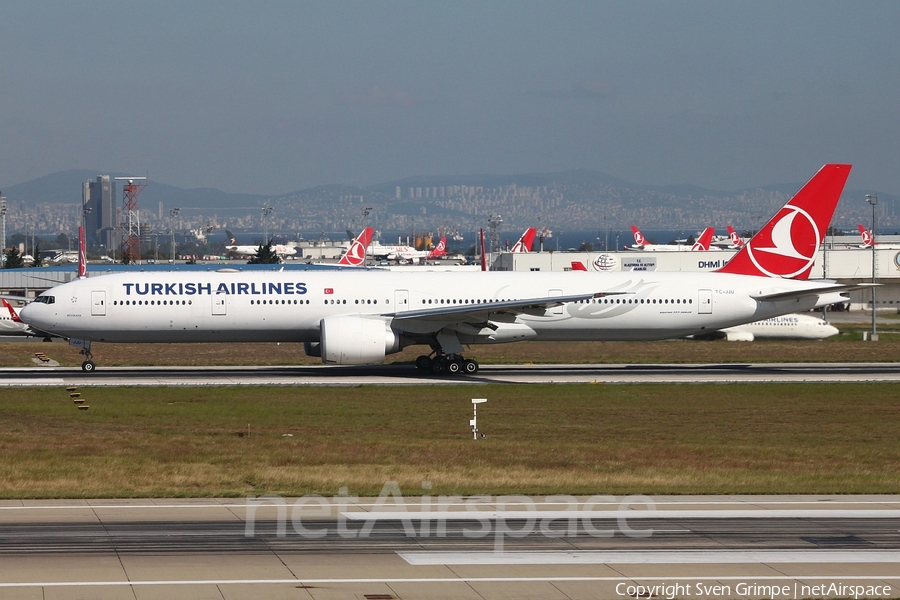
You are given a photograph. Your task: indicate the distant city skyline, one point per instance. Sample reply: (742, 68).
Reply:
(283, 96)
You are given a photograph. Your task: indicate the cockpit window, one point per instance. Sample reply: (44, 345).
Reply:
(45, 299)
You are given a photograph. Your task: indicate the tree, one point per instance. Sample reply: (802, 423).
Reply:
(265, 255)
(13, 259)
(36, 253)
(586, 247)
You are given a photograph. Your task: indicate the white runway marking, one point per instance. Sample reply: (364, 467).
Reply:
(651, 557)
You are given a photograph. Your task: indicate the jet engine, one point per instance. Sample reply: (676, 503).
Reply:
(739, 336)
(356, 340)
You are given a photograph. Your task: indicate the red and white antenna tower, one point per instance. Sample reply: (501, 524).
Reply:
(131, 218)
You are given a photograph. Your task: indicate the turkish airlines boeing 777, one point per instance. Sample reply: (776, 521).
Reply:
(359, 317)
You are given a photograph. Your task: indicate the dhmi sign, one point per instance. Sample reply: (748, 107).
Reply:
(707, 265)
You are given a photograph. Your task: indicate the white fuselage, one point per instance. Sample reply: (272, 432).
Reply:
(786, 327)
(279, 249)
(282, 306)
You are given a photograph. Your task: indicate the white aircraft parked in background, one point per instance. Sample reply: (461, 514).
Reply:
(785, 327)
(279, 249)
(414, 256)
(358, 317)
(10, 323)
(702, 244)
(868, 242)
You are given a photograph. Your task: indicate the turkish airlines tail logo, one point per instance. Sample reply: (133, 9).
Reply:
(703, 242)
(12, 312)
(787, 245)
(355, 256)
(638, 237)
(440, 249)
(736, 240)
(525, 242)
(866, 236)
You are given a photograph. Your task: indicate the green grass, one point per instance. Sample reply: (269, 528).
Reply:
(541, 439)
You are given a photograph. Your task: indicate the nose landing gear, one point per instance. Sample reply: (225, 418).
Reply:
(88, 365)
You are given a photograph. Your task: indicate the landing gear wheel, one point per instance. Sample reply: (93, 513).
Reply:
(88, 366)
(423, 363)
(470, 367)
(438, 367)
(454, 367)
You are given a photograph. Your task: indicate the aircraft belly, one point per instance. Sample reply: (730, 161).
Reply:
(190, 329)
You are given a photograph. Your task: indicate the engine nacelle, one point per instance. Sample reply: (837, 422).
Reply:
(739, 336)
(356, 341)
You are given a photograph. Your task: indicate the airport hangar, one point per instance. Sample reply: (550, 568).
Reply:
(846, 265)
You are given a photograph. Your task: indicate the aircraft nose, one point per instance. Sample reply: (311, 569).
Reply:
(26, 313)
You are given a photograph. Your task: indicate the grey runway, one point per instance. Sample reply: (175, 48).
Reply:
(408, 375)
(484, 548)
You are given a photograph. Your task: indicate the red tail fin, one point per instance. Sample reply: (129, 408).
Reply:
(439, 250)
(736, 240)
(12, 312)
(703, 242)
(787, 245)
(355, 256)
(483, 255)
(578, 266)
(82, 254)
(866, 236)
(526, 241)
(639, 239)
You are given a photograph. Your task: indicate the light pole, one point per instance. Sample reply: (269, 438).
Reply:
(266, 211)
(873, 200)
(3, 216)
(172, 214)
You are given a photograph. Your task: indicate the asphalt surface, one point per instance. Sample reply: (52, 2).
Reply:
(483, 548)
(409, 375)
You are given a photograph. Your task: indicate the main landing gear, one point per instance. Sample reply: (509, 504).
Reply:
(444, 364)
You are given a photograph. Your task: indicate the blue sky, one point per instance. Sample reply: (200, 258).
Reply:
(279, 96)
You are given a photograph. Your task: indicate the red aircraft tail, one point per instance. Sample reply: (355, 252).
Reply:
(14, 317)
(355, 256)
(639, 239)
(526, 241)
(703, 242)
(866, 236)
(82, 254)
(736, 240)
(787, 245)
(439, 250)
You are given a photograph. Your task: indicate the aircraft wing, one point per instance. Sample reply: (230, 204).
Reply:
(816, 291)
(484, 310)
